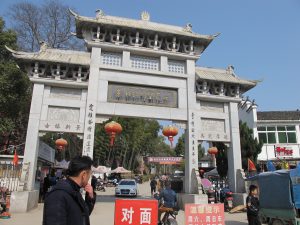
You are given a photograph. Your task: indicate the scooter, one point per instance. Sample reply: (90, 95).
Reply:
(100, 186)
(228, 202)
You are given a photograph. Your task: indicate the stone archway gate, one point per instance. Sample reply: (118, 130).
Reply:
(132, 68)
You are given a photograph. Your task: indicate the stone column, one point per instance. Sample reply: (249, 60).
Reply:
(234, 151)
(191, 145)
(26, 197)
(32, 136)
(91, 107)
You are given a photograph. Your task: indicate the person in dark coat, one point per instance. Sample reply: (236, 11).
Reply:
(153, 185)
(64, 204)
(253, 206)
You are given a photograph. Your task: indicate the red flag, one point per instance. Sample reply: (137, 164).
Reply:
(16, 159)
(251, 166)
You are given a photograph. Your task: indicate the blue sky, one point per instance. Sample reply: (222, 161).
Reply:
(260, 38)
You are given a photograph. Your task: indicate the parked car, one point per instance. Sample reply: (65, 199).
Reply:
(127, 187)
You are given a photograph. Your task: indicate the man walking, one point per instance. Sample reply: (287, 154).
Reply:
(64, 204)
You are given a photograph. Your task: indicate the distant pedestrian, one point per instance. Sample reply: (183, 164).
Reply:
(64, 204)
(153, 184)
(253, 206)
(46, 185)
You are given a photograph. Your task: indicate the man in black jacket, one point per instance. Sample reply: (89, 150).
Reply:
(64, 204)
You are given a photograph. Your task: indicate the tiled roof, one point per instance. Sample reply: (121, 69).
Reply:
(278, 115)
(141, 24)
(55, 55)
(222, 75)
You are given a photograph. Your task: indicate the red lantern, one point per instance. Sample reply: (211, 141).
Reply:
(61, 144)
(113, 128)
(213, 151)
(170, 132)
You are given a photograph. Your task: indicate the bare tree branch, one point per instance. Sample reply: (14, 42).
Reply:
(50, 22)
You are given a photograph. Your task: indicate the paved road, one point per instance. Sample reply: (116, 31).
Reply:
(103, 213)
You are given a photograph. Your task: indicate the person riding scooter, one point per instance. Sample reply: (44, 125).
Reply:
(169, 200)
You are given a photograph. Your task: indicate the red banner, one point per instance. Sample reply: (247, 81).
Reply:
(136, 212)
(200, 214)
(165, 160)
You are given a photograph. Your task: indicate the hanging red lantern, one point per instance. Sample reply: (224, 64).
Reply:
(213, 151)
(170, 132)
(61, 144)
(113, 128)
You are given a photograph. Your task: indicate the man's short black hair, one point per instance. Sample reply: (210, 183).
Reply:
(252, 188)
(78, 164)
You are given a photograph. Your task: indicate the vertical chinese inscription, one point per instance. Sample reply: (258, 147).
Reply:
(89, 128)
(193, 139)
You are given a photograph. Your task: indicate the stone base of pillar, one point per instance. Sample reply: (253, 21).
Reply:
(239, 199)
(183, 198)
(23, 201)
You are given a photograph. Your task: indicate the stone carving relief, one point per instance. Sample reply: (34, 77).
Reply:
(213, 125)
(212, 106)
(68, 93)
(63, 114)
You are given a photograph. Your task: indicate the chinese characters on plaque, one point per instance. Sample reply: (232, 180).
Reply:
(212, 136)
(142, 95)
(136, 212)
(204, 214)
(58, 126)
(89, 129)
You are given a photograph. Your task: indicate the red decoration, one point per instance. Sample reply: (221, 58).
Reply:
(61, 144)
(170, 132)
(251, 166)
(16, 159)
(213, 151)
(113, 128)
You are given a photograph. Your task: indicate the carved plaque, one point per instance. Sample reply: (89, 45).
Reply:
(70, 93)
(212, 106)
(213, 125)
(63, 114)
(141, 95)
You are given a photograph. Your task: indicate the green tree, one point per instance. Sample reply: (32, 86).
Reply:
(140, 138)
(180, 146)
(250, 147)
(221, 159)
(15, 93)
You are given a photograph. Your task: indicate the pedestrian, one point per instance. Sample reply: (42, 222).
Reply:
(94, 182)
(253, 206)
(3, 196)
(64, 204)
(153, 184)
(46, 185)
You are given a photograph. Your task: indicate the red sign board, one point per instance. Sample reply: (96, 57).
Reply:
(201, 214)
(136, 212)
(165, 160)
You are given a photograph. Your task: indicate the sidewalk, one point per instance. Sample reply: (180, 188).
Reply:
(103, 213)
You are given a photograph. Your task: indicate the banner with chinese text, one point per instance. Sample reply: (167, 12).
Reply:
(200, 214)
(135, 212)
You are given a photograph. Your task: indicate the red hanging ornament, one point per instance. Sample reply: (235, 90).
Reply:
(170, 132)
(61, 144)
(113, 128)
(213, 151)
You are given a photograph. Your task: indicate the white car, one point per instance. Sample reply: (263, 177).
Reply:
(127, 187)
